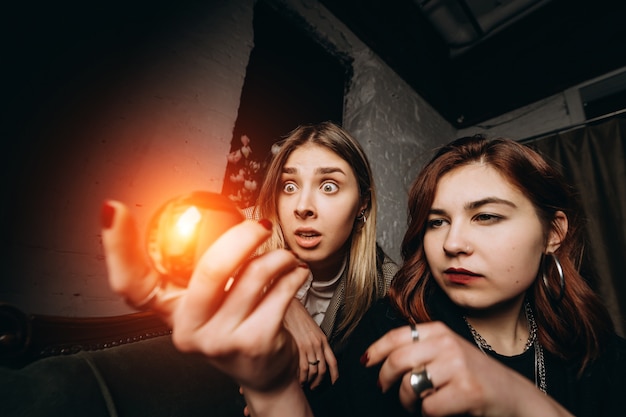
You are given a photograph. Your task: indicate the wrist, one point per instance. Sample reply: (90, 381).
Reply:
(287, 399)
(304, 289)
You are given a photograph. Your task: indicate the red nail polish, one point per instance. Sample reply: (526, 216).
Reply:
(107, 215)
(303, 265)
(266, 223)
(365, 358)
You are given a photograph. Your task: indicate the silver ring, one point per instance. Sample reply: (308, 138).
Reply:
(314, 363)
(420, 382)
(415, 335)
(149, 299)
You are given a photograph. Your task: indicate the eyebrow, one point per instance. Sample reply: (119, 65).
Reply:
(478, 203)
(322, 170)
(488, 200)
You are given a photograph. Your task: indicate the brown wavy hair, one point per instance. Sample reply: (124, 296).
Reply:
(576, 326)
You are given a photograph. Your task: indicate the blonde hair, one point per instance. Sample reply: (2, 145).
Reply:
(361, 286)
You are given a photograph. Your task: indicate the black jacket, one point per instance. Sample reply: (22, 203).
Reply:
(600, 391)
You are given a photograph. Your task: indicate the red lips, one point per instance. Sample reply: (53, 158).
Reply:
(460, 276)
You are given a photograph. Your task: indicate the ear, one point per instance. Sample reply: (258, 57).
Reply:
(364, 205)
(558, 232)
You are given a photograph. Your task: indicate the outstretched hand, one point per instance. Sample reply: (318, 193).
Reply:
(233, 309)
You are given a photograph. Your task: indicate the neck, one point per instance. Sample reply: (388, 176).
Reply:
(504, 327)
(328, 270)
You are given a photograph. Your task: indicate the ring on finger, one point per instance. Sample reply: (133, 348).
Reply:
(147, 302)
(415, 334)
(314, 363)
(420, 382)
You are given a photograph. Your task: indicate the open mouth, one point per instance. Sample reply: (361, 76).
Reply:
(307, 235)
(308, 239)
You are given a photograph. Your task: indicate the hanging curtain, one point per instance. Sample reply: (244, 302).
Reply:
(593, 159)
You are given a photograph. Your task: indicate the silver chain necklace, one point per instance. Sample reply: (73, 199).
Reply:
(540, 366)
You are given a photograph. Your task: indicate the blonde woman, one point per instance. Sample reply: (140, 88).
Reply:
(320, 202)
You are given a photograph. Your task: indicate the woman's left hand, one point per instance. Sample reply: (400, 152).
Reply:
(464, 380)
(316, 355)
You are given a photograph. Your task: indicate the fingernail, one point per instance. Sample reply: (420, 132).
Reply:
(266, 223)
(107, 214)
(303, 265)
(365, 358)
(378, 384)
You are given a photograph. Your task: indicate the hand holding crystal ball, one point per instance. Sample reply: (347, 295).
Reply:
(184, 228)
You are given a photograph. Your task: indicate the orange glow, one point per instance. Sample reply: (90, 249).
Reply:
(188, 221)
(184, 228)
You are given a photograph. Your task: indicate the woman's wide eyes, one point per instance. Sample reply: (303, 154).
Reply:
(289, 187)
(329, 187)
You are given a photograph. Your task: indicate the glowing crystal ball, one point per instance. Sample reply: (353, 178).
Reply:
(184, 228)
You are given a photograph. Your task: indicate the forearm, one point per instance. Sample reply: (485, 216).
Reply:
(288, 400)
(296, 314)
(529, 401)
(549, 407)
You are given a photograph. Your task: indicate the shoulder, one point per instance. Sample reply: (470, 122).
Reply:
(251, 213)
(615, 353)
(386, 266)
(612, 358)
(381, 317)
(599, 391)
(610, 366)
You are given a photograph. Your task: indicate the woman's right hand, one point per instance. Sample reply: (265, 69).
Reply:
(463, 380)
(240, 329)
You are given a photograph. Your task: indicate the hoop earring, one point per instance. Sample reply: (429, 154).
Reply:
(361, 216)
(559, 269)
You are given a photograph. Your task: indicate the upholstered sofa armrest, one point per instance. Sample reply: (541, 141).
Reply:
(25, 338)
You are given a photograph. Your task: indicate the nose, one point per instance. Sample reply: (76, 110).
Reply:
(305, 206)
(457, 241)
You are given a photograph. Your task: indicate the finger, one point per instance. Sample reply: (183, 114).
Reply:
(303, 373)
(313, 375)
(460, 375)
(321, 371)
(275, 302)
(322, 367)
(410, 355)
(256, 280)
(400, 336)
(407, 396)
(253, 283)
(246, 411)
(331, 363)
(253, 334)
(128, 270)
(215, 267)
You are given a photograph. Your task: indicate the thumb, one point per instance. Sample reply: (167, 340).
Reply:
(128, 271)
